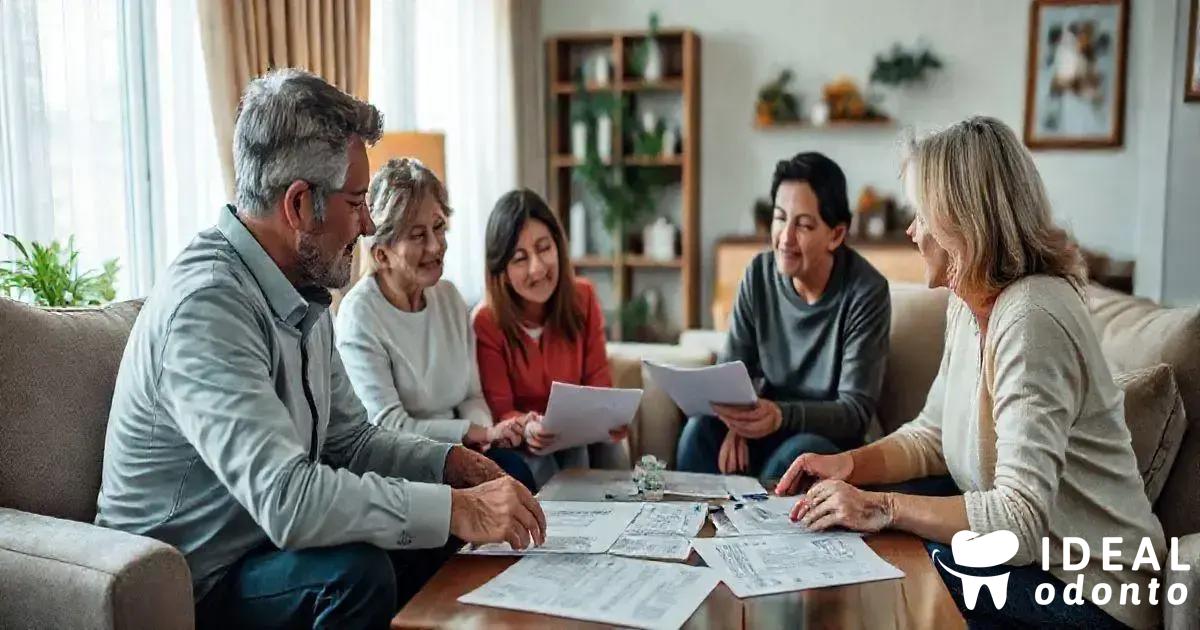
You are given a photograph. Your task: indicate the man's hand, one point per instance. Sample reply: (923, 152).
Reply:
(496, 511)
(506, 433)
(478, 438)
(466, 468)
(761, 420)
(734, 456)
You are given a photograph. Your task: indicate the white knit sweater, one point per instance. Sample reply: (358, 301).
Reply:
(1032, 429)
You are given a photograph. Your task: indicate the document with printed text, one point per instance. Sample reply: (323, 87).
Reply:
(572, 527)
(761, 565)
(602, 588)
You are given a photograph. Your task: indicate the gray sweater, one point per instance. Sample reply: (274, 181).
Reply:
(823, 363)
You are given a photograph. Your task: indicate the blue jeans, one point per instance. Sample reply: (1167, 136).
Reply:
(348, 586)
(770, 456)
(512, 463)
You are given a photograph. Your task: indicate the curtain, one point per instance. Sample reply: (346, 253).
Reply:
(461, 83)
(243, 39)
(105, 132)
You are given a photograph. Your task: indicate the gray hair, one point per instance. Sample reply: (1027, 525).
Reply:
(980, 192)
(396, 192)
(293, 125)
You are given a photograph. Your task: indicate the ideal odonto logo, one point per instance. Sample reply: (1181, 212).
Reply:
(992, 550)
(981, 552)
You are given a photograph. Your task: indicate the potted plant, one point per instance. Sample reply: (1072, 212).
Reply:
(901, 67)
(775, 103)
(48, 275)
(646, 59)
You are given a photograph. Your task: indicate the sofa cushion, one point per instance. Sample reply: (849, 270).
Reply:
(917, 337)
(57, 370)
(1156, 420)
(1135, 334)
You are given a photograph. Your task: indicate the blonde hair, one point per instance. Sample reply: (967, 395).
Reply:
(395, 193)
(985, 204)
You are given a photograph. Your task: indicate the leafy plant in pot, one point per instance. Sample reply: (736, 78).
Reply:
(48, 275)
(901, 67)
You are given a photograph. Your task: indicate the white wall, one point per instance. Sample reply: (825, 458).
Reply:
(984, 44)
(1181, 263)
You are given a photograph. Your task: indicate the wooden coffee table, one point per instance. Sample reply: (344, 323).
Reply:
(919, 600)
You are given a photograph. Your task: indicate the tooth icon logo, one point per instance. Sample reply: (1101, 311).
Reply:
(981, 552)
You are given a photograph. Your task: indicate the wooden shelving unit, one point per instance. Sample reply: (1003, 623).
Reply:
(681, 79)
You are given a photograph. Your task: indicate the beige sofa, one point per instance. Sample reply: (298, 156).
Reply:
(57, 371)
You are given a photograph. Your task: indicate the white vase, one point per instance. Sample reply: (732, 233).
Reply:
(654, 61)
(819, 114)
(579, 140)
(659, 240)
(604, 137)
(668, 142)
(601, 70)
(579, 230)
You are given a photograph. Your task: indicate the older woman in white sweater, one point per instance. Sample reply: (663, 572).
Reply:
(404, 333)
(1023, 413)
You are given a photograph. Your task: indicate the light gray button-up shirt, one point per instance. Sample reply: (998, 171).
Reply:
(233, 424)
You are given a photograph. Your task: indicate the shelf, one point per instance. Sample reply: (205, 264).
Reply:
(652, 160)
(649, 263)
(569, 161)
(665, 85)
(627, 85)
(592, 262)
(872, 123)
(569, 87)
(636, 261)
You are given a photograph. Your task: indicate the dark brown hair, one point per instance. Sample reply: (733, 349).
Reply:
(508, 218)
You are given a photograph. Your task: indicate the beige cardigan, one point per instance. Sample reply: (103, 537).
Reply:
(1033, 432)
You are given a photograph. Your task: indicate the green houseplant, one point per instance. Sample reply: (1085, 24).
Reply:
(48, 275)
(903, 66)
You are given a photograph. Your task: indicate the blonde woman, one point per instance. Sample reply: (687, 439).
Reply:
(1023, 413)
(404, 332)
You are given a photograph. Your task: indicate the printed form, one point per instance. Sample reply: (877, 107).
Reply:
(601, 588)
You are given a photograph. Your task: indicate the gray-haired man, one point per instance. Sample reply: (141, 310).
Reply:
(234, 433)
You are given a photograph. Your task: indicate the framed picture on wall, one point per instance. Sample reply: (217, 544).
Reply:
(1191, 89)
(1075, 84)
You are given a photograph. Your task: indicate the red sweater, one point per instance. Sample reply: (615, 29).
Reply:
(513, 385)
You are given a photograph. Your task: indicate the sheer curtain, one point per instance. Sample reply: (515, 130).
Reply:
(458, 80)
(105, 132)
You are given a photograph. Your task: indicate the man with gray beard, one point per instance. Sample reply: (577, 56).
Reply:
(235, 434)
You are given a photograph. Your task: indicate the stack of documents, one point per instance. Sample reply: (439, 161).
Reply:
(707, 486)
(761, 565)
(603, 588)
(771, 515)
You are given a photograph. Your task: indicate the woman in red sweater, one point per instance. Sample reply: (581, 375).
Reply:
(538, 325)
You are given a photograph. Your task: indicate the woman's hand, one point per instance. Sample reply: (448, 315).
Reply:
(760, 420)
(619, 433)
(734, 456)
(835, 503)
(811, 467)
(506, 433)
(536, 437)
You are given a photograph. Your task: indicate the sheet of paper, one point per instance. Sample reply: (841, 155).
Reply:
(572, 527)
(755, 518)
(761, 565)
(709, 486)
(695, 389)
(579, 415)
(602, 588)
(668, 519)
(654, 547)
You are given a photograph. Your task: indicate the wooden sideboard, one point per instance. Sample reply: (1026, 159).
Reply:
(895, 257)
